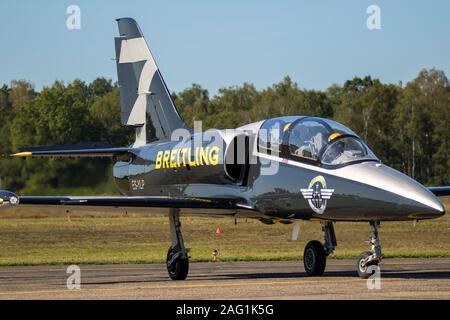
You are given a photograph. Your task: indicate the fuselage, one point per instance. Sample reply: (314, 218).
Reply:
(289, 177)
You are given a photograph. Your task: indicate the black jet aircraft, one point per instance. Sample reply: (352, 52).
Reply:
(283, 169)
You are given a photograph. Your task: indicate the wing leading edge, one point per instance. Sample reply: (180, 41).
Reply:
(440, 191)
(157, 202)
(151, 205)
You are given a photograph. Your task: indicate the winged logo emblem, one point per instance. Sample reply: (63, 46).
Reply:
(317, 194)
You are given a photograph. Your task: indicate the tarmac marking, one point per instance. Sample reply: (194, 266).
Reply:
(190, 286)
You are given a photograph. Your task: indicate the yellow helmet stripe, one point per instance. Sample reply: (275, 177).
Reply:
(286, 126)
(334, 136)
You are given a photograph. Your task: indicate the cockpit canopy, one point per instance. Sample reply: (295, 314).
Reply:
(313, 140)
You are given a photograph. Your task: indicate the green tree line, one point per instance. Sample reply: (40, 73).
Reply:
(405, 125)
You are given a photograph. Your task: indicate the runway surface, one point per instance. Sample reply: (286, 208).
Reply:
(400, 279)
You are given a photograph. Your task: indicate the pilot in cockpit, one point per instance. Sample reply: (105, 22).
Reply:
(316, 141)
(311, 145)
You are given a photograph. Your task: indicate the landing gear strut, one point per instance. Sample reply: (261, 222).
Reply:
(367, 259)
(315, 254)
(177, 256)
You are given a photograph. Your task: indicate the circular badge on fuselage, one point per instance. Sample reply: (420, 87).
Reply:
(317, 194)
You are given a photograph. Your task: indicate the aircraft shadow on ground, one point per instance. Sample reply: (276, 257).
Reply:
(401, 274)
(397, 274)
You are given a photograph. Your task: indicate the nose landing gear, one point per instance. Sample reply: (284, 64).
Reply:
(177, 256)
(367, 259)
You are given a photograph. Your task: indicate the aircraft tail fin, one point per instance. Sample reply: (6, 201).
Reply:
(145, 100)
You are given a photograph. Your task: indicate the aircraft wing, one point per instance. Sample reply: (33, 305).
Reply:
(95, 149)
(144, 204)
(440, 191)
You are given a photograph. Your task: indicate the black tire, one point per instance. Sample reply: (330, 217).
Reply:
(314, 258)
(362, 271)
(179, 268)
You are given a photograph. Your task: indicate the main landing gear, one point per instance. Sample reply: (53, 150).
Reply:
(177, 256)
(315, 254)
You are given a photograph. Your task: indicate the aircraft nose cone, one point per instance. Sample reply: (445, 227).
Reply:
(423, 204)
(406, 198)
(428, 205)
(440, 208)
(434, 207)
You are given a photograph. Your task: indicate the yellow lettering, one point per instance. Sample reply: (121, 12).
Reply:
(158, 159)
(214, 155)
(166, 159)
(183, 155)
(173, 153)
(199, 156)
(191, 163)
(204, 156)
(197, 160)
(178, 158)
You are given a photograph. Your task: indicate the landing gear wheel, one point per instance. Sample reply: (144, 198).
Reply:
(179, 268)
(363, 268)
(314, 258)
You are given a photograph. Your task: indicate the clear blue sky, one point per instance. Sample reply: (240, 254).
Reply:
(317, 43)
